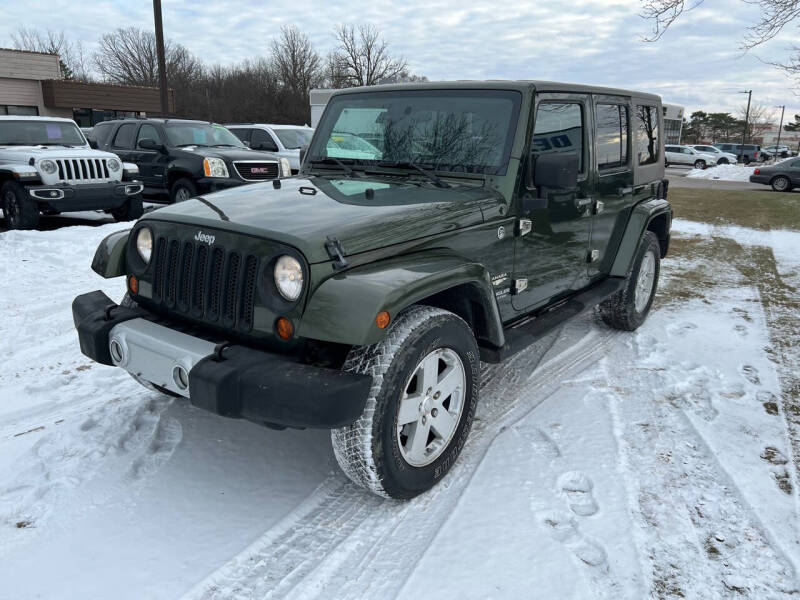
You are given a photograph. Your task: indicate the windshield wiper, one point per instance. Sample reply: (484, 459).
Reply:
(184, 145)
(332, 160)
(438, 181)
(227, 146)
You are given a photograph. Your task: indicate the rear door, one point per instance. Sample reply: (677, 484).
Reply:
(122, 144)
(550, 260)
(615, 190)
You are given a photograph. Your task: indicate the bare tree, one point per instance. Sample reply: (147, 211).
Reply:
(775, 15)
(72, 58)
(298, 68)
(760, 120)
(128, 56)
(362, 57)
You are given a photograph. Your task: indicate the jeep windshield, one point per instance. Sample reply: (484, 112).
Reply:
(40, 133)
(458, 131)
(200, 134)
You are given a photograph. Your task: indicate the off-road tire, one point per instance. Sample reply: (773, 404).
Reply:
(368, 451)
(700, 164)
(20, 211)
(130, 211)
(781, 183)
(129, 302)
(619, 311)
(179, 190)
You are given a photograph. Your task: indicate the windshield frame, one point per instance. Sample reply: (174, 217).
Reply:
(235, 141)
(45, 122)
(330, 116)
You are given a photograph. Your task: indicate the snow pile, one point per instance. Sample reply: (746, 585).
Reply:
(723, 172)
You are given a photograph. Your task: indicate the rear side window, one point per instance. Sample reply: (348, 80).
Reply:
(559, 128)
(243, 134)
(263, 141)
(101, 132)
(612, 136)
(647, 134)
(124, 137)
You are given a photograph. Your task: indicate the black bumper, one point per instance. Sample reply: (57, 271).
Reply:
(93, 196)
(262, 387)
(206, 185)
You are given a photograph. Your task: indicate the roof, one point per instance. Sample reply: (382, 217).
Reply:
(33, 118)
(500, 84)
(271, 126)
(29, 51)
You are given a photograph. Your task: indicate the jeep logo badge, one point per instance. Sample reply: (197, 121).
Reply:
(204, 238)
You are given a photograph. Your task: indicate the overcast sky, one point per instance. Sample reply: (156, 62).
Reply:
(696, 64)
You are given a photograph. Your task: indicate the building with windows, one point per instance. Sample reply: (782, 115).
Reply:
(673, 123)
(31, 84)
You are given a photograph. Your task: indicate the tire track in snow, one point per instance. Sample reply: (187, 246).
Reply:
(368, 534)
(696, 529)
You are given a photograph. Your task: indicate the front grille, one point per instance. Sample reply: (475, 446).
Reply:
(83, 170)
(210, 284)
(256, 170)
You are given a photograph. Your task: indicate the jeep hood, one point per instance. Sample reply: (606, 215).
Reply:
(24, 153)
(304, 212)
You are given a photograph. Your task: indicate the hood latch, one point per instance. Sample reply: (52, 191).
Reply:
(336, 252)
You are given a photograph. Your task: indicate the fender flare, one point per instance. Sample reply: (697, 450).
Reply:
(641, 217)
(109, 258)
(19, 172)
(343, 308)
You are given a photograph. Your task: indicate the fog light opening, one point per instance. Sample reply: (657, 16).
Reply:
(116, 351)
(181, 377)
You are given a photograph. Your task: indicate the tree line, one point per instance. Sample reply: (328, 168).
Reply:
(704, 127)
(272, 88)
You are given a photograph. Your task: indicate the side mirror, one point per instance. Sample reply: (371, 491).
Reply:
(303, 150)
(555, 171)
(148, 144)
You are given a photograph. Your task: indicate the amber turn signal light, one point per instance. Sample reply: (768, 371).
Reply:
(284, 328)
(382, 320)
(133, 284)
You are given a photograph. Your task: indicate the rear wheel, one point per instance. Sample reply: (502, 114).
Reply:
(628, 308)
(425, 377)
(183, 189)
(20, 211)
(781, 184)
(699, 164)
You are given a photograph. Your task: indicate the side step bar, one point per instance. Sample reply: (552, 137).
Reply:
(523, 333)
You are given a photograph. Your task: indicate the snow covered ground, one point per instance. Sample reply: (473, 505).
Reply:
(602, 464)
(723, 172)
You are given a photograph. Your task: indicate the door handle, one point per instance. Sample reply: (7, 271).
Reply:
(624, 191)
(583, 202)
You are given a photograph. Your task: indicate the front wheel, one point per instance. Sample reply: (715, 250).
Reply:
(20, 211)
(182, 190)
(425, 378)
(628, 308)
(699, 164)
(781, 184)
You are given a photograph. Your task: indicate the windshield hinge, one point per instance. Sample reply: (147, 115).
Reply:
(336, 252)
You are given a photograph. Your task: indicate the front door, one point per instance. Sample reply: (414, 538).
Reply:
(151, 162)
(551, 259)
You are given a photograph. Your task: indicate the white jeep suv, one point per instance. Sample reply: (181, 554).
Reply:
(723, 158)
(46, 165)
(686, 155)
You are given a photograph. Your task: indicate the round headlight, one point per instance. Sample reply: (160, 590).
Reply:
(48, 166)
(113, 164)
(289, 277)
(144, 244)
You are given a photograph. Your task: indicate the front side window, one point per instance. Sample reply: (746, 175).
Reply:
(646, 134)
(612, 136)
(293, 139)
(468, 131)
(148, 132)
(559, 127)
(36, 133)
(200, 134)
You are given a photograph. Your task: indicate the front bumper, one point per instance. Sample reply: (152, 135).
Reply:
(90, 196)
(262, 387)
(206, 185)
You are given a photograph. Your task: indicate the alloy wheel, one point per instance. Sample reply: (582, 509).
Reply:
(644, 282)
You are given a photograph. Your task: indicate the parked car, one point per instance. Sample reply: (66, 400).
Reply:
(686, 155)
(180, 158)
(283, 140)
(782, 176)
(46, 165)
(362, 295)
(775, 151)
(723, 158)
(752, 152)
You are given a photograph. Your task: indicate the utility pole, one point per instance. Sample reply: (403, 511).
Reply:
(162, 69)
(746, 117)
(780, 127)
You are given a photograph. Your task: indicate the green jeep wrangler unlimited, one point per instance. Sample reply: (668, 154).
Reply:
(361, 295)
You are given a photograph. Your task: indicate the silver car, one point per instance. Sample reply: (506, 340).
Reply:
(283, 140)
